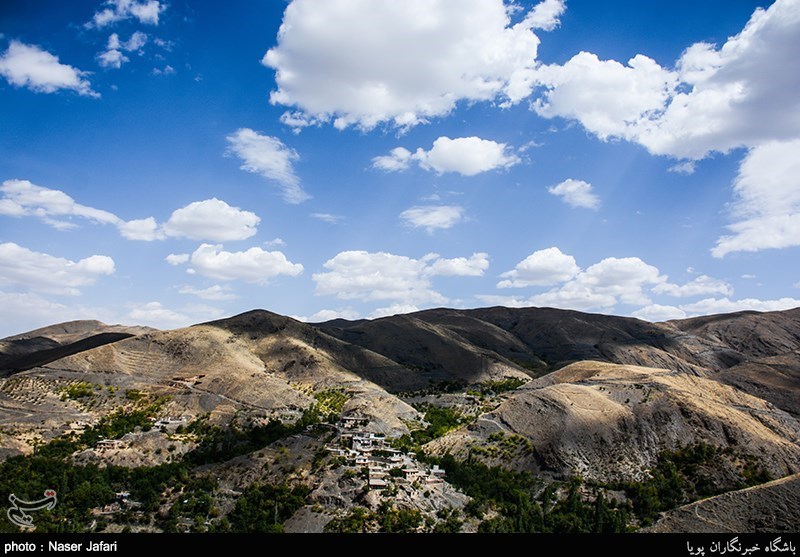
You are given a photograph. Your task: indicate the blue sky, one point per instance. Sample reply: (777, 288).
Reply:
(167, 163)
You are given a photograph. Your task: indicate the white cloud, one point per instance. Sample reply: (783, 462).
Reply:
(327, 217)
(275, 243)
(507, 301)
(397, 160)
(657, 312)
(113, 57)
(365, 62)
(541, 268)
(716, 99)
(28, 311)
(146, 11)
(394, 309)
(210, 219)
(766, 210)
(710, 306)
(213, 220)
(545, 15)
(145, 230)
(700, 286)
(600, 287)
(136, 42)
(329, 314)
(216, 292)
(624, 278)
(29, 66)
(177, 258)
(23, 198)
(467, 156)
(369, 276)
(686, 167)
(166, 70)
(269, 157)
(253, 265)
(46, 273)
(156, 315)
(604, 95)
(433, 217)
(473, 266)
(376, 276)
(576, 193)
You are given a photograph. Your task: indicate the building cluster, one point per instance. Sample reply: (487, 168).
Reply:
(363, 449)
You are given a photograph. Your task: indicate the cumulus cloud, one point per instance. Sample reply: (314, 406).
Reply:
(210, 219)
(576, 193)
(270, 158)
(253, 265)
(369, 276)
(397, 160)
(700, 286)
(606, 97)
(156, 315)
(213, 220)
(716, 98)
(473, 266)
(601, 286)
(145, 230)
(215, 293)
(394, 309)
(541, 268)
(22, 198)
(467, 156)
(433, 217)
(146, 11)
(329, 314)
(25, 65)
(656, 313)
(366, 62)
(766, 210)
(113, 57)
(177, 258)
(724, 305)
(24, 311)
(614, 281)
(545, 15)
(42, 272)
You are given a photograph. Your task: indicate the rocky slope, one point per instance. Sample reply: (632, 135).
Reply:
(771, 507)
(553, 392)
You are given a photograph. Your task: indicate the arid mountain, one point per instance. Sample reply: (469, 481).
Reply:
(48, 344)
(770, 507)
(554, 393)
(606, 422)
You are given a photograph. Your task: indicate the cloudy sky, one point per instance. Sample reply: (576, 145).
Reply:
(171, 162)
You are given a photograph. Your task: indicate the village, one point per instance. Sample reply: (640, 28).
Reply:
(383, 463)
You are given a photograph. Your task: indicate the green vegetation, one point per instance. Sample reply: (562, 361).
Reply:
(330, 403)
(134, 394)
(388, 518)
(687, 475)
(435, 389)
(218, 444)
(497, 387)
(76, 391)
(502, 446)
(264, 508)
(524, 504)
(440, 420)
